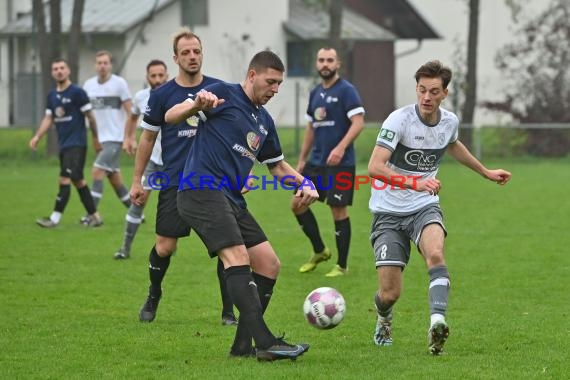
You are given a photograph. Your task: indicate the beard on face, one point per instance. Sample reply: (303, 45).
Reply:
(327, 76)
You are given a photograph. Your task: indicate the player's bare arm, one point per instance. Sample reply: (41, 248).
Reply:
(44, 126)
(306, 147)
(144, 151)
(356, 126)
(94, 131)
(130, 142)
(128, 138)
(377, 168)
(458, 151)
(203, 101)
(307, 190)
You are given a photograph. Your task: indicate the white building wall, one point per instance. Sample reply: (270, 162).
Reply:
(450, 18)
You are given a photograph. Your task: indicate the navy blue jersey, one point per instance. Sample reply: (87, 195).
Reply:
(231, 137)
(329, 113)
(67, 109)
(176, 139)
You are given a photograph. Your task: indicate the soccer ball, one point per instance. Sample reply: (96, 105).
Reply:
(324, 308)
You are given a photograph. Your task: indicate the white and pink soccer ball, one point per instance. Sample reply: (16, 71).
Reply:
(324, 308)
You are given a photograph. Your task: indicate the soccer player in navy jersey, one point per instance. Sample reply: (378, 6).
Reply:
(235, 131)
(67, 106)
(335, 119)
(176, 140)
(156, 75)
(411, 144)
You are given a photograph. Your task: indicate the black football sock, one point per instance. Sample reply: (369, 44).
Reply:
(244, 294)
(227, 305)
(308, 223)
(342, 234)
(157, 270)
(87, 199)
(62, 198)
(242, 341)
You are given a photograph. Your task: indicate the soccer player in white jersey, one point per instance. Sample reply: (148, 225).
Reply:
(405, 201)
(156, 74)
(111, 100)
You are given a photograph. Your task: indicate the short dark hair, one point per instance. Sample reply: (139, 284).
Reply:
(266, 60)
(58, 60)
(434, 69)
(155, 62)
(184, 32)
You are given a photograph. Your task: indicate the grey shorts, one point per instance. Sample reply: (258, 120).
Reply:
(109, 157)
(150, 169)
(391, 234)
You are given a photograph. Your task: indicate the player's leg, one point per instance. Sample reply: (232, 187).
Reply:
(228, 316)
(391, 248)
(133, 220)
(63, 194)
(214, 218)
(265, 267)
(339, 197)
(430, 236)
(99, 171)
(77, 165)
(116, 180)
(169, 227)
(308, 222)
(134, 216)
(115, 176)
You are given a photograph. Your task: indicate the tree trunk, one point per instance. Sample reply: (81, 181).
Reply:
(75, 38)
(335, 31)
(53, 52)
(466, 134)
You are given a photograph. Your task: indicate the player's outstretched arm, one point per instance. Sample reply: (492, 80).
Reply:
(463, 156)
(203, 101)
(307, 190)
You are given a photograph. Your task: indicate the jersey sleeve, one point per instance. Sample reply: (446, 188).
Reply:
(391, 132)
(455, 134)
(154, 113)
(135, 107)
(124, 90)
(353, 103)
(271, 150)
(83, 100)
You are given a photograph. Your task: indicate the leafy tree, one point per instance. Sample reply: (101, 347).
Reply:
(535, 70)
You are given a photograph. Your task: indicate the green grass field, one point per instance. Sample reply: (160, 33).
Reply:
(70, 311)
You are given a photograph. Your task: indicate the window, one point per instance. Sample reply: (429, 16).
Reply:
(194, 12)
(300, 59)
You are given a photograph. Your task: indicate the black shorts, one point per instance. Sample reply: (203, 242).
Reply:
(72, 162)
(168, 221)
(218, 221)
(335, 184)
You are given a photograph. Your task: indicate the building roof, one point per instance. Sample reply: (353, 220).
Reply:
(99, 16)
(397, 16)
(312, 23)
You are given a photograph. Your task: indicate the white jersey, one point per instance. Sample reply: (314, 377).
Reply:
(417, 149)
(138, 108)
(107, 100)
